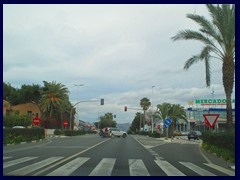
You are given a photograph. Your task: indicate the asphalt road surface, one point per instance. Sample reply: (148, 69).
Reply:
(91, 155)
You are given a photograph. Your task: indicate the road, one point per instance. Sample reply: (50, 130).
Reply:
(91, 155)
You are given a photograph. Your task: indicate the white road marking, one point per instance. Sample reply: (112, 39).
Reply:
(219, 168)
(197, 169)
(69, 168)
(169, 169)
(33, 167)
(104, 168)
(137, 168)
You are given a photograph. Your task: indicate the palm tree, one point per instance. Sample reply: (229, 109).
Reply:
(164, 109)
(52, 96)
(176, 112)
(145, 104)
(218, 37)
(64, 108)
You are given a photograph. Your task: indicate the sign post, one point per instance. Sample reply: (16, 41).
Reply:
(210, 119)
(167, 123)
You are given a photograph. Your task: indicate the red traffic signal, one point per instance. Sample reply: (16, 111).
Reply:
(125, 108)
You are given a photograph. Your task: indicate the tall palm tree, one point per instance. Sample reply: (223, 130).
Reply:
(164, 109)
(64, 108)
(52, 95)
(145, 104)
(218, 37)
(176, 112)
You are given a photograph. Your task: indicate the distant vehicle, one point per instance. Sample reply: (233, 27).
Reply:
(117, 132)
(18, 127)
(184, 133)
(178, 133)
(194, 135)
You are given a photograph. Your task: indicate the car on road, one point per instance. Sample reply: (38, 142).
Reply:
(194, 135)
(116, 132)
(18, 127)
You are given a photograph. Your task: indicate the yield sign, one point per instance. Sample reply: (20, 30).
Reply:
(210, 119)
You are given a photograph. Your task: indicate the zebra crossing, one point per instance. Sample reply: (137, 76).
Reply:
(136, 167)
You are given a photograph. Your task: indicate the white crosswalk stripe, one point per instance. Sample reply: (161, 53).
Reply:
(226, 171)
(169, 169)
(6, 157)
(17, 161)
(69, 168)
(33, 167)
(137, 168)
(104, 168)
(197, 169)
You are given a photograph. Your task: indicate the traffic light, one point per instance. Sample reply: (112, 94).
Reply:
(125, 108)
(102, 102)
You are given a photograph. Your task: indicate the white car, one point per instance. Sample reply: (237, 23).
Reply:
(18, 127)
(117, 132)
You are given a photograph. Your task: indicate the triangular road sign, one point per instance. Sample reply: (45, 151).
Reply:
(210, 119)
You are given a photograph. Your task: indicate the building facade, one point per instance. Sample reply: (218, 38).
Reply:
(30, 109)
(199, 107)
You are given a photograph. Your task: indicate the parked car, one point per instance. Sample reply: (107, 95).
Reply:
(194, 135)
(18, 127)
(177, 133)
(117, 132)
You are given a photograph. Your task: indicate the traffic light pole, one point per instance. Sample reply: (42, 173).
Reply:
(101, 103)
(126, 108)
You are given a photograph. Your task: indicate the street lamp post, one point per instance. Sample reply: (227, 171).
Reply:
(78, 85)
(152, 108)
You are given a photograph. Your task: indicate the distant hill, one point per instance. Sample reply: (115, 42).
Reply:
(123, 126)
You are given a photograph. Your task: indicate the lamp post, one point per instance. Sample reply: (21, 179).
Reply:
(152, 108)
(78, 85)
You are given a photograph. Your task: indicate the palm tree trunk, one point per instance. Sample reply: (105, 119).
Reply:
(61, 120)
(229, 112)
(228, 80)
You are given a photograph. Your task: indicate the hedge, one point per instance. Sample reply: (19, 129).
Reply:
(11, 136)
(220, 143)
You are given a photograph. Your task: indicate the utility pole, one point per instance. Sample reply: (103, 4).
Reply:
(152, 108)
(78, 85)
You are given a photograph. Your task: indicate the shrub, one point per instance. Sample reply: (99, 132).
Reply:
(222, 144)
(58, 132)
(21, 135)
(155, 134)
(74, 132)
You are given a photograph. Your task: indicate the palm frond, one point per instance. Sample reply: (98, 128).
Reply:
(191, 61)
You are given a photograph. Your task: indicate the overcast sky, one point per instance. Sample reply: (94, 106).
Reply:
(118, 52)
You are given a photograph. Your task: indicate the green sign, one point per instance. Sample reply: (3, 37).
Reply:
(212, 101)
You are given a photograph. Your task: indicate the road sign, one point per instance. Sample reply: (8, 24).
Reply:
(167, 122)
(65, 123)
(36, 121)
(210, 119)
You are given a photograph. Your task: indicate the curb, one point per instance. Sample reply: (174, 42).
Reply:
(25, 142)
(209, 161)
(60, 136)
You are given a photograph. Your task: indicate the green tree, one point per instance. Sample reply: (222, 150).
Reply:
(16, 120)
(52, 96)
(135, 126)
(107, 121)
(65, 109)
(164, 109)
(145, 104)
(29, 93)
(218, 37)
(176, 112)
(10, 94)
